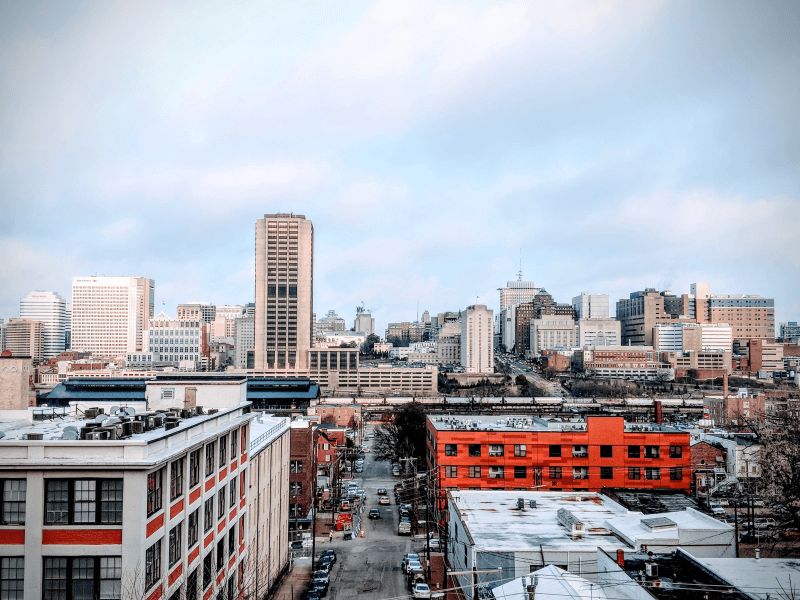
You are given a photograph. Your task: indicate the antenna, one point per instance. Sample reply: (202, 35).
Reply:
(417, 311)
(519, 274)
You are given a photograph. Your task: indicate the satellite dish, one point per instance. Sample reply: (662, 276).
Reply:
(130, 410)
(71, 429)
(2, 435)
(111, 421)
(70, 435)
(114, 410)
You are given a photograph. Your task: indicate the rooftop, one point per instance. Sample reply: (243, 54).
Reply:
(529, 423)
(759, 578)
(553, 583)
(649, 502)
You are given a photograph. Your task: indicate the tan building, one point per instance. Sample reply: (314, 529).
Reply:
(25, 337)
(193, 311)
(598, 332)
(284, 292)
(683, 337)
(477, 339)
(551, 331)
(709, 364)
(15, 383)
(517, 292)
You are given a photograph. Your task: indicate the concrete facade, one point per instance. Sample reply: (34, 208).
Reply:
(693, 336)
(15, 383)
(25, 337)
(477, 339)
(517, 292)
(551, 331)
(591, 306)
(243, 339)
(50, 309)
(598, 332)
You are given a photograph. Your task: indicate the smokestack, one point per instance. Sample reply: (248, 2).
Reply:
(658, 411)
(621, 557)
(531, 589)
(725, 385)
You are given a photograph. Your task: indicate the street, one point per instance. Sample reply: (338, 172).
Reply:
(517, 367)
(369, 567)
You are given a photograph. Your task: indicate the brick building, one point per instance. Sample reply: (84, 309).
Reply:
(302, 473)
(708, 465)
(340, 416)
(529, 453)
(735, 410)
(632, 362)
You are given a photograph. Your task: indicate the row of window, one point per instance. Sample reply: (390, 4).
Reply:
(555, 450)
(499, 472)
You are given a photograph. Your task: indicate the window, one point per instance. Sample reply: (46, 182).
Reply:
(244, 438)
(580, 451)
(221, 553)
(152, 565)
(451, 471)
(295, 488)
(296, 466)
(520, 472)
(451, 450)
(221, 503)
(475, 472)
(232, 586)
(520, 450)
(194, 468)
(474, 449)
(675, 451)
(295, 510)
(652, 452)
(676, 473)
(580, 472)
(12, 573)
(176, 479)
(232, 487)
(70, 501)
(193, 529)
(208, 568)
(208, 514)
(634, 451)
(606, 473)
(496, 472)
(652, 473)
(555, 450)
(634, 473)
(496, 450)
(223, 446)
(606, 451)
(234, 443)
(154, 488)
(175, 545)
(210, 459)
(14, 494)
(555, 472)
(78, 578)
(232, 541)
(242, 483)
(191, 586)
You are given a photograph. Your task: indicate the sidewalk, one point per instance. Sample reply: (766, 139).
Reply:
(295, 583)
(437, 572)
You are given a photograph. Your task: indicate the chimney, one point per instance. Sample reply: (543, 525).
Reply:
(621, 557)
(725, 385)
(657, 404)
(531, 589)
(758, 553)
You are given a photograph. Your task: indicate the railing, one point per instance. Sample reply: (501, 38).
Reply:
(266, 435)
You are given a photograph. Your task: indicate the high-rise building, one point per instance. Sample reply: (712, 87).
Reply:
(192, 311)
(517, 292)
(790, 331)
(110, 314)
(598, 332)
(175, 341)
(50, 309)
(68, 326)
(683, 337)
(551, 331)
(25, 337)
(3, 330)
(591, 306)
(243, 339)
(284, 292)
(477, 339)
(364, 321)
(330, 322)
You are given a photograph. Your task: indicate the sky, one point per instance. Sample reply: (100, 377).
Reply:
(606, 146)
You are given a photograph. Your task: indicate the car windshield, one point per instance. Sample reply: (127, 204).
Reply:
(423, 587)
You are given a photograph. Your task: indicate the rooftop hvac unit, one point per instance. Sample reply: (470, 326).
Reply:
(520, 503)
(213, 411)
(137, 427)
(111, 432)
(127, 429)
(199, 410)
(187, 413)
(651, 569)
(34, 436)
(171, 425)
(91, 413)
(97, 434)
(533, 503)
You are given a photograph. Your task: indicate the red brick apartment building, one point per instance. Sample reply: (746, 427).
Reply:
(527, 453)
(302, 472)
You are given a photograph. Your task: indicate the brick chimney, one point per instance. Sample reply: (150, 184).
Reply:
(659, 415)
(621, 557)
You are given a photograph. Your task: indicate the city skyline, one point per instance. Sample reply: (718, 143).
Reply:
(612, 148)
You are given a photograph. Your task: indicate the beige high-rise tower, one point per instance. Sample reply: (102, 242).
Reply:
(284, 292)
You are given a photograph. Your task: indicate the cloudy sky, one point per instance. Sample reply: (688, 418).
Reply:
(614, 146)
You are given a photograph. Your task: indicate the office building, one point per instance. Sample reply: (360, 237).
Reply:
(50, 309)
(749, 316)
(364, 321)
(110, 314)
(284, 292)
(25, 337)
(16, 392)
(683, 337)
(175, 341)
(622, 362)
(591, 306)
(243, 339)
(790, 331)
(406, 331)
(477, 339)
(330, 322)
(197, 311)
(551, 331)
(517, 292)
(68, 327)
(230, 312)
(598, 332)
(302, 474)
(3, 330)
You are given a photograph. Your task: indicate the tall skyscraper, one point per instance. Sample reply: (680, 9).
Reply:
(110, 314)
(590, 306)
(284, 292)
(517, 292)
(25, 337)
(50, 309)
(477, 339)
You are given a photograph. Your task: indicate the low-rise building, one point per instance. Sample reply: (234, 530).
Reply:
(16, 384)
(623, 362)
(25, 337)
(302, 475)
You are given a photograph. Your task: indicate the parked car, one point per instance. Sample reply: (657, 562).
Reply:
(716, 509)
(312, 595)
(384, 500)
(320, 587)
(404, 528)
(413, 564)
(436, 544)
(764, 522)
(359, 469)
(328, 553)
(296, 545)
(408, 557)
(381, 491)
(323, 575)
(422, 590)
(374, 513)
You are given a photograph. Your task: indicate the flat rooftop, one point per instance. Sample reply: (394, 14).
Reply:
(758, 577)
(496, 524)
(529, 423)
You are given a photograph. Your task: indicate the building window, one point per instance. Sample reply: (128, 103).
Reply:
(152, 565)
(606, 473)
(14, 495)
(295, 510)
(496, 472)
(191, 586)
(520, 472)
(580, 451)
(154, 491)
(175, 545)
(221, 503)
(232, 489)
(450, 471)
(12, 578)
(555, 451)
(208, 515)
(194, 468)
(475, 472)
(244, 438)
(70, 501)
(675, 451)
(652, 473)
(606, 451)
(242, 483)
(220, 553)
(474, 449)
(208, 568)
(68, 578)
(234, 443)
(451, 450)
(520, 450)
(193, 529)
(232, 541)
(295, 488)
(296, 466)
(634, 451)
(496, 450)
(580, 472)
(223, 447)
(555, 472)
(652, 452)
(176, 479)
(634, 473)
(676, 473)
(210, 459)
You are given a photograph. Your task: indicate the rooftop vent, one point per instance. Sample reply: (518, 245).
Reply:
(137, 427)
(574, 525)
(34, 436)
(213, 411)
(659, 523)
(171, 425)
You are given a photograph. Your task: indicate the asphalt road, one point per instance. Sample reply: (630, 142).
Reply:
(369, 568)
(520, 368)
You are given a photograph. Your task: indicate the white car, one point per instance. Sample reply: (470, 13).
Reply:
(422, 590)
(413, 564)
(717, 509)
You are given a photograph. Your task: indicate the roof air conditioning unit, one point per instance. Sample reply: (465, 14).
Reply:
(520, 503)
(127, 428)
(34, 436)
(171, 425)
(137, 427)
(199, 410)
(90, 413)
(97, 434)
(187, 413)
(533, 503)
(213, 411)
(651, 569)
